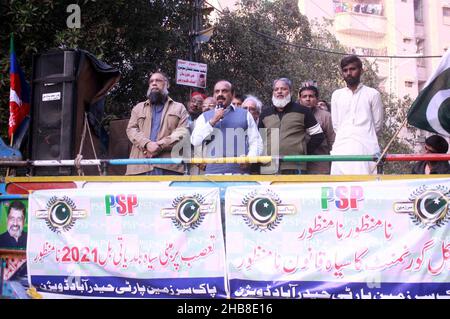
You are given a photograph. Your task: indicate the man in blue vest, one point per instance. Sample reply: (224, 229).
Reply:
(228, 131)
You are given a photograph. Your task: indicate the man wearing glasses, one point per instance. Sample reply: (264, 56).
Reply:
(195, 106)
(155, 127)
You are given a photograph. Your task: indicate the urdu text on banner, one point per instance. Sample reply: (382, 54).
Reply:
(159, 243)
(367, 240)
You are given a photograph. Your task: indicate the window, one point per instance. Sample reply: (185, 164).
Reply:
(359, 6)
(446, 15)
(418, 11)
(446, 11)
(420, 45)
(420, 49)
(421, 63)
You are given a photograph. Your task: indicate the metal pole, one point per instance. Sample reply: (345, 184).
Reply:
(197, 25)
(193, 31)
(104, 166)
(234, 160)
(328, 158)
(391, 141)
(2, 267)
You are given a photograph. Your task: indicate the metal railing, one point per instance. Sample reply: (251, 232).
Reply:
(104, 163)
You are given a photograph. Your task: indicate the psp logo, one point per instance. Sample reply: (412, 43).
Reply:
(342, 197)
(122, 204)
(61, 214)
(262, 210)
(431, 207)
(188, 211)
(427, 207)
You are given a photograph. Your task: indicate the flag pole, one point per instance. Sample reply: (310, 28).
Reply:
(11, 49)
(10, 144)
(389, 144)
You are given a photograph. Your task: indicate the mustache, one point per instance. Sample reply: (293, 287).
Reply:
(351, 79)
(164, 92)
(282, 101)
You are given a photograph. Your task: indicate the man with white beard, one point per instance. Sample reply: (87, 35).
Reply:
(294, 122)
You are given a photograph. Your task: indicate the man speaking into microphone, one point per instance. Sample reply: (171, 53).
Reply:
(227, 131)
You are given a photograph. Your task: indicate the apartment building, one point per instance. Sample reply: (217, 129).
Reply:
(392, 28)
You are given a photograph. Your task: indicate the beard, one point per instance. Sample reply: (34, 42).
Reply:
(281, 103)
(351, 81)
(157, 97)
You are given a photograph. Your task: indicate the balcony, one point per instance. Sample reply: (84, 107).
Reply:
(360, 24)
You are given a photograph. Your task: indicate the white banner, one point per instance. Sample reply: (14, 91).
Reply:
(340, 240)
(191, 73)
(154, 243)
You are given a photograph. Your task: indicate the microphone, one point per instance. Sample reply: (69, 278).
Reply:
(218, 107)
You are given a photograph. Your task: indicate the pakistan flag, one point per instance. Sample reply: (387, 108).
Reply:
(431, 110)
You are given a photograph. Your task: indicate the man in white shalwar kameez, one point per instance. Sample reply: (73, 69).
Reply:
(357, 114)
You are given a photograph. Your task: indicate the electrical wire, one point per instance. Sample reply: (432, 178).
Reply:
(283, 42)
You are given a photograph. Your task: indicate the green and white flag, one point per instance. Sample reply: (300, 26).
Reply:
(431, 110)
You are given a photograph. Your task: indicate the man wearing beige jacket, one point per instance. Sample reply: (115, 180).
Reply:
(155, 126)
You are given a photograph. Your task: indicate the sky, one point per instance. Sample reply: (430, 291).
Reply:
(222, 4)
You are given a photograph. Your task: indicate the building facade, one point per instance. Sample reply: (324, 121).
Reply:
(390, 28)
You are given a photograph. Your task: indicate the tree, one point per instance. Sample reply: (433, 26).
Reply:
(265, 40)
(395, 113)
(261, 41)
(135, 36)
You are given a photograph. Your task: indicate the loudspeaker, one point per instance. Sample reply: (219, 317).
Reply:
(67, 84)
(53, 105)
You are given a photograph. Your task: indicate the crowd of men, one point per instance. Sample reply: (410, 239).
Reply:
(296, 123)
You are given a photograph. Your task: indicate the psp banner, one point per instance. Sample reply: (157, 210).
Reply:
(368, 240)
(156, 243)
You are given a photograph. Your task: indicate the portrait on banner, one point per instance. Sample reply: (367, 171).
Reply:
(13, 224)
